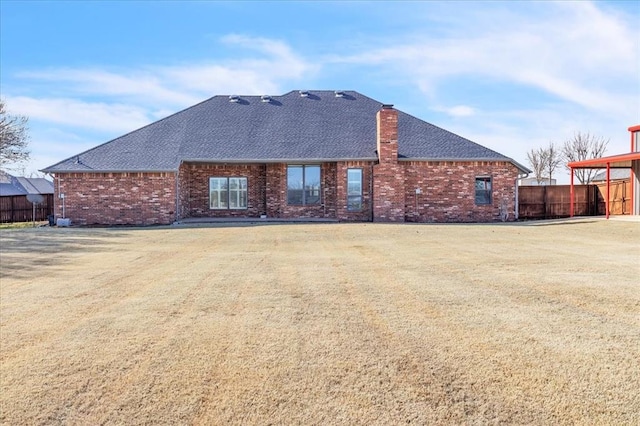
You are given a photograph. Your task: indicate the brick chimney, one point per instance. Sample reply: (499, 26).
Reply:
(388, 174)
(387, 120)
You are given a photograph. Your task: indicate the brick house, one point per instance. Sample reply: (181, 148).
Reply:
(305, 154)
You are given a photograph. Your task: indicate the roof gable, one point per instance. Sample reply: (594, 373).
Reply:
(297, 126)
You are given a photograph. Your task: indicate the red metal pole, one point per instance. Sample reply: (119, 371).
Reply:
(631, 175)
(608, 177)
(571, 212)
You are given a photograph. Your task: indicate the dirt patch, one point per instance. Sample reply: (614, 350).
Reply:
(323, 323)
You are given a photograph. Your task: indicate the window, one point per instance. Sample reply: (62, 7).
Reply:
(483, 190)
(303, 185)
(227, 193)
(354, 189)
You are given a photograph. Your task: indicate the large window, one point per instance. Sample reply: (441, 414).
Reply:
(227, 193)
(303, 185)
(483, 190)
(354, 189)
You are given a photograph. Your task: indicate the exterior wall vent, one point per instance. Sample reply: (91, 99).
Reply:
(234, 98)
(339, 93)
(265, 98)
(304, 93)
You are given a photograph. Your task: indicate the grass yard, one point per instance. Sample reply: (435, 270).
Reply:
(321, 324)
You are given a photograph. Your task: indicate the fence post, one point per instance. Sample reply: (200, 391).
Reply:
(545, 202)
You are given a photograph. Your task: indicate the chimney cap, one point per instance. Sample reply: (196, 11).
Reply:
(387, 106)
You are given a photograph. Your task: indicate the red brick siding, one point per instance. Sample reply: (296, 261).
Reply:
(387, 135)
(194, 190)
(267, 191)
(116, 198)
(341, 191)
(276, 189)
(388, 175)
(183, 191)
(448, 191)
(276, 192)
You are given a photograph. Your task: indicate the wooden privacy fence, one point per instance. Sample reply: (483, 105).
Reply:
(619, 197)
(547, 202)
(16, 208)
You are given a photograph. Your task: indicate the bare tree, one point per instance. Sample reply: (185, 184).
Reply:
(552, 160)
(544, 161)
(584, 146)
(536, 158)
(14, 138)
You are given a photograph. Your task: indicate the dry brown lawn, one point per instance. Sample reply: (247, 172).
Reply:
(321, 324)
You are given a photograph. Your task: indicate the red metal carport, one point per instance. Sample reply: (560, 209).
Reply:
(622, 161)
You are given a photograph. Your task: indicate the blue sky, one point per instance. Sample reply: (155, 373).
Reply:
(509, 75)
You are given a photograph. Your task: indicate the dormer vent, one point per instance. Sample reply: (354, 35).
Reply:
(304, 93)
(234, 98)
(265, 98)
(339, 93)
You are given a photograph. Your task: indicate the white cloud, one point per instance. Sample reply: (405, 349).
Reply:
(133, 84)
(458, 111)
(573, 51)
(72, 112)
(151, 93)
(184, 85)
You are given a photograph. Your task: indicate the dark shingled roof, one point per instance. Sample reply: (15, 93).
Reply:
(289, 128)
(12, 185)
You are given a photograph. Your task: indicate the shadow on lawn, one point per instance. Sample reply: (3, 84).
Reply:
(25, 251)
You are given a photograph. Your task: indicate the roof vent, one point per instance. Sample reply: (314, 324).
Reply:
(339, 93)
(265, 98)
(387, 106)
(304, 93)
(234, 98)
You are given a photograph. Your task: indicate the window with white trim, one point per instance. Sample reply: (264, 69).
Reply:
(227, 193)
(483, 190)
(354, 189)
(303, 185)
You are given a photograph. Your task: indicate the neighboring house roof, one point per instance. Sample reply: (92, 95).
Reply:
(36, 185)
(317, 127)
(615, 174)
(12, 185)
